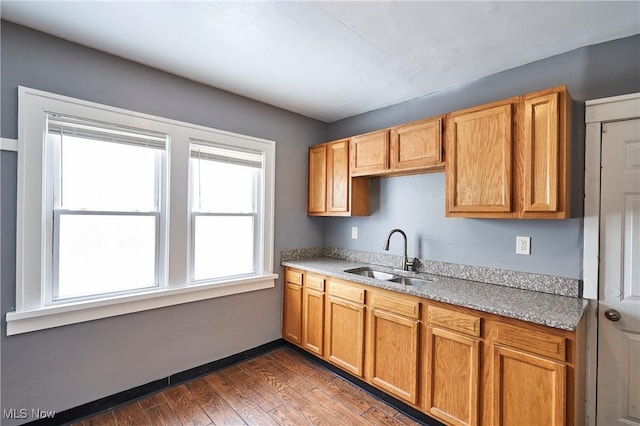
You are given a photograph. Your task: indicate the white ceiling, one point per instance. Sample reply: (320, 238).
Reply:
(330, 60)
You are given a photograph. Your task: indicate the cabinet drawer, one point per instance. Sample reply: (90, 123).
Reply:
(453, 320)
(315, 282)
(293, 276)
(346, 291)
(398, 305)
(536, 342)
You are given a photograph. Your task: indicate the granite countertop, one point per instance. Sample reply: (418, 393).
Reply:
(562, 312)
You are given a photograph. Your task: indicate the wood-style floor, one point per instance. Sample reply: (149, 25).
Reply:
(281, 387)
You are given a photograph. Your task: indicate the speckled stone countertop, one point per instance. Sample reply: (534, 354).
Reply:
(552, 310)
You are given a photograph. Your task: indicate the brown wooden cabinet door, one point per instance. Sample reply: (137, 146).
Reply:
(313, 321)
(511, 159)
(345, 334)
(392, 355)
(370, 153)
(332, 191)
(338, 176)
(541, 153)
(417, 145)
(527, 389)
(479, 159)
(452, 388)
(292, 318)
(317, 195)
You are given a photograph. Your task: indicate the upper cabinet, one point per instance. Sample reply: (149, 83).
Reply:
(545, 146)
(510, 159)
(479, 159)
(417, 146)
(332, 191)
(339, 171)
(370, 153)
(506, 160)
(410, 148)
(317, 195)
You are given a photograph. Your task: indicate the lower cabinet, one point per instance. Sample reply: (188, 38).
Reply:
(313, 314)
(527, 389)
(292, 306)
(345, 327)
(457, 365)
(452, 364)
(529, 377)
(393, 345)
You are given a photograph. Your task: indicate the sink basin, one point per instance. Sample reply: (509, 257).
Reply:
(385, 276)
(410, 281)
(371, 273)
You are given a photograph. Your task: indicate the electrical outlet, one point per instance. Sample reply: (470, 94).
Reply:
(523, 245)
(354, 232)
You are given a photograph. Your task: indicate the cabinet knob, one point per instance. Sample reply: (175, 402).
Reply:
(612, 315)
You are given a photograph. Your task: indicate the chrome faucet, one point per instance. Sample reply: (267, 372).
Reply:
(407, 265)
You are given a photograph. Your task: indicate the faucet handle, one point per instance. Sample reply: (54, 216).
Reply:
(410, 263)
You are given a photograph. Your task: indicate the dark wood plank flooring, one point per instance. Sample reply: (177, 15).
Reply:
(281, 387)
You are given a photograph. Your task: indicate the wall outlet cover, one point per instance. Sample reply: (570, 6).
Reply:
(354, 232)
(523, 245)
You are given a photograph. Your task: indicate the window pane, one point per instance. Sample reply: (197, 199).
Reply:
(104, 254)
(222, 187)
(223, 246)
(98, 175)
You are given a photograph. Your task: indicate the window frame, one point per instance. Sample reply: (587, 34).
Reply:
(258, 196)
(56, 207)
(33, 260)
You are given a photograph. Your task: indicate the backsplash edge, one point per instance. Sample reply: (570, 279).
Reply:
(523, 280)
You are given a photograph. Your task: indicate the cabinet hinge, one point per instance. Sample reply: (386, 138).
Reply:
(604, 128)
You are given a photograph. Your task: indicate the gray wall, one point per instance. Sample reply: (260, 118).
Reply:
(68, 366)
(416, 203)
(61, 368)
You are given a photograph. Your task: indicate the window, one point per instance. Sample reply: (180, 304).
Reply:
(225, 194)
(106, 226)
(120, 212)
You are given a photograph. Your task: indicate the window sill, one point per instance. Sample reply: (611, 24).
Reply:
(73, 313)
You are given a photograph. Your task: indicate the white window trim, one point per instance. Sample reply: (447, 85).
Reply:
(7, 144)
(31, 313)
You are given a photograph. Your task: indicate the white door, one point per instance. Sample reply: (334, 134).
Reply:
(619, 294)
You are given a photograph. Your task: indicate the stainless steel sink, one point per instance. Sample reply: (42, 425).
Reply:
(371, 273)
(386, 276)
(410, 281)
